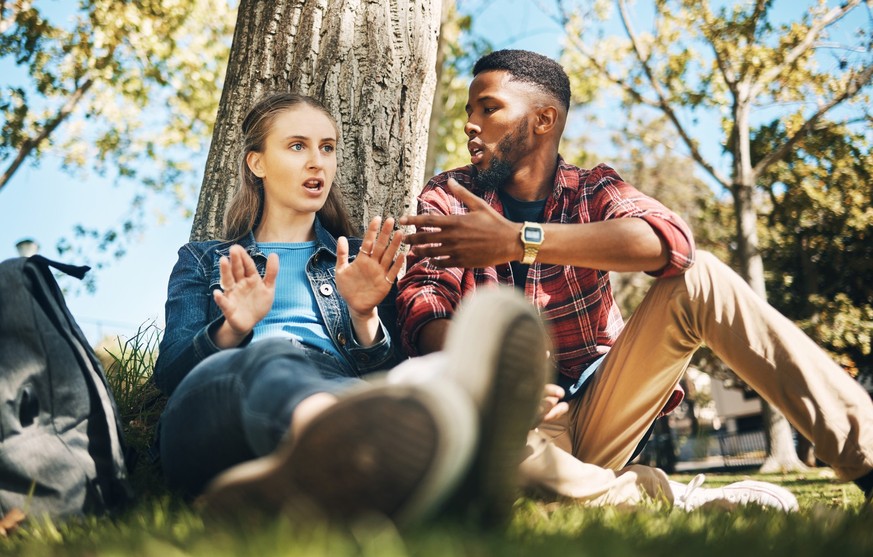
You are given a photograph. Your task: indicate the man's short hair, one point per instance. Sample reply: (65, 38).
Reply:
(529, 67)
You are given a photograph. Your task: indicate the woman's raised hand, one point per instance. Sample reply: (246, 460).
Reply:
(366, 281)
(246, 297)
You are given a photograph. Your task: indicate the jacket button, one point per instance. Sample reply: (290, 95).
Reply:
(363, 358)
(341, 338)
(325, 289)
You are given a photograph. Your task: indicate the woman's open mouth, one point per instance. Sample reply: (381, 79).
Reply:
(314, 185)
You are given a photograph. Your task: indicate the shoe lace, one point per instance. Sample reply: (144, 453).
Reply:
(692, 486)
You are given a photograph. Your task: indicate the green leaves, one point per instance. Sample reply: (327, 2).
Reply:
(817, 238)
(128, 90)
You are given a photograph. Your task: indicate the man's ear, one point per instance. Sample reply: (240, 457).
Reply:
(253, 161)
(547, 118)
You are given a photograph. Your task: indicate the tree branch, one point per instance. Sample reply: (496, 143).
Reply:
(604, 71)
(31, 143)
(808, 41)
(760, 9)
(779, 153)
(601, 68)
(663, 105)
(723, 66)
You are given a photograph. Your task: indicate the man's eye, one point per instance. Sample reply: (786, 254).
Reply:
(489, 110)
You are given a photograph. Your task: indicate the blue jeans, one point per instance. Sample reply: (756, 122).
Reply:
(236, 405)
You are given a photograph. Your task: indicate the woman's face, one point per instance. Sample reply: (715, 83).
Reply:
(298, 163)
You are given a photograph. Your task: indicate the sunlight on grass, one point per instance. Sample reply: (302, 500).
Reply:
(166, 527)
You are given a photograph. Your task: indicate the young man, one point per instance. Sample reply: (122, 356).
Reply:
(519, 214)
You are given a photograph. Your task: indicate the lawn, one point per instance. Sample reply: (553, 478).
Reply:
(833, 520)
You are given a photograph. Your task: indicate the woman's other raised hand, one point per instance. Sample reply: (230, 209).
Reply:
(366, 281)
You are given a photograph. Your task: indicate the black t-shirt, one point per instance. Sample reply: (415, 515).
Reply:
(521, 211)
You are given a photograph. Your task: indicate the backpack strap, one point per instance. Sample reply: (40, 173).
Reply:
(77, 271)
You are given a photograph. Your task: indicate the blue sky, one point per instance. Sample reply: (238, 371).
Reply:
(44, 203)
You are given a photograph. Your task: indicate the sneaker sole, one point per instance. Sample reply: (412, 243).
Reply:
(394, 451)
(508, 396)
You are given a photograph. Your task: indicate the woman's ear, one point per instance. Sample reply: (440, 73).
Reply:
(253, 161)
(547, 117)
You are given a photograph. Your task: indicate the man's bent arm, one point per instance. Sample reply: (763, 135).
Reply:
(621, 245)
(483, 238)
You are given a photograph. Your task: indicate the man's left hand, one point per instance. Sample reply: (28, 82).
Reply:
(481, 238)
(551, 407)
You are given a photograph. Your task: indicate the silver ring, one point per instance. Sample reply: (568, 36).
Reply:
(367, 253)
(388, 280)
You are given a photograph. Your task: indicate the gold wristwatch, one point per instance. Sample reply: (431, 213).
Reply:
(532, 238)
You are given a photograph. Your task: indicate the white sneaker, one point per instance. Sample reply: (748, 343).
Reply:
(748, 492)
(497, 348)
(496, 352)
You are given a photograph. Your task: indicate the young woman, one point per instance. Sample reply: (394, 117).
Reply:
(265, 327)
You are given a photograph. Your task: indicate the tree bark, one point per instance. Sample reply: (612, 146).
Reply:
(433, 145)
(371, 62)
(781, 453)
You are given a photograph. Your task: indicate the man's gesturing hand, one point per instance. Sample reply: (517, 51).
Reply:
(481, 238)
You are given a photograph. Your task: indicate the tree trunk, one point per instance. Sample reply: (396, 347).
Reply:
(748, 255)
(433, 145)
(781, 456)
(743, 190)
(372, 63)
(781, 453)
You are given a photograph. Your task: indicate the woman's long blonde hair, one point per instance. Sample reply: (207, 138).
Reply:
(246, 206)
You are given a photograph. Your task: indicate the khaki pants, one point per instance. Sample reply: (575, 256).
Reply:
(712, 305)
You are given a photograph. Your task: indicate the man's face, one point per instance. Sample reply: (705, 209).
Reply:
(499, 111)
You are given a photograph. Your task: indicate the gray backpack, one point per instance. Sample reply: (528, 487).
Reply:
(61, 443)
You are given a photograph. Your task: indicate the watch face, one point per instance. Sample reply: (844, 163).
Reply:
(533, 235)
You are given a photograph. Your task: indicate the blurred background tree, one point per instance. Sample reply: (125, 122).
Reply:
(729, 64)
(83, 78)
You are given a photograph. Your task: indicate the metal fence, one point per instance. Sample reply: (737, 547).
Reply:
(713, 450)
(748, 448)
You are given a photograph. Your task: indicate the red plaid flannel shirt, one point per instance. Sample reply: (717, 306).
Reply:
(576, 303)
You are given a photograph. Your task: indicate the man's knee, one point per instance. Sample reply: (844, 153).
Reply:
(704, 259)
(705, 275)
(707, 272)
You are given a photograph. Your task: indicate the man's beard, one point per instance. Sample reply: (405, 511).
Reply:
(500, 168)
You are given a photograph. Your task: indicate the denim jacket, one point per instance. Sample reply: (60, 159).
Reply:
(191, 313)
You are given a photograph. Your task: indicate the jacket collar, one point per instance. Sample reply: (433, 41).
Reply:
(323, 239)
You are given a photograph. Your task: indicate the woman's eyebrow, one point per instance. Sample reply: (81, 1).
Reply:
(307, 137)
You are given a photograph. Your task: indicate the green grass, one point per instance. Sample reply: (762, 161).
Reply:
(833, 520)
